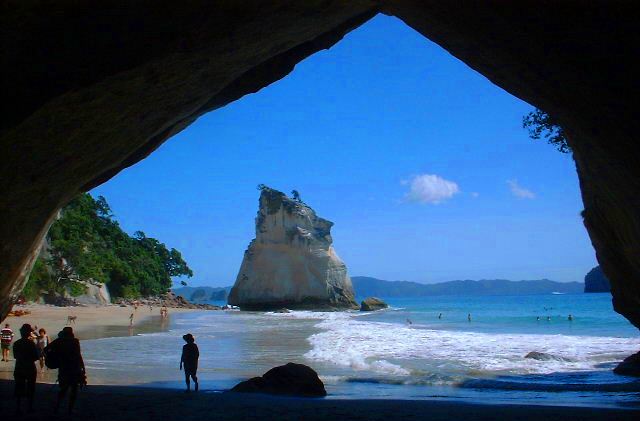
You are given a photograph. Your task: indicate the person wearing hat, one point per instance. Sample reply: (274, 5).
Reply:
(25, 353)
(189, 359)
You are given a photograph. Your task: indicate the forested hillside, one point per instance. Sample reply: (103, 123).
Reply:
(86, 243)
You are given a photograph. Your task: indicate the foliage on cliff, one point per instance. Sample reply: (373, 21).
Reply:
(88, 243)
(542, 125)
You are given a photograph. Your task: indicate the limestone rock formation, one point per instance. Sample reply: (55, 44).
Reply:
(291, 263)
(290, 379)
(372, 304)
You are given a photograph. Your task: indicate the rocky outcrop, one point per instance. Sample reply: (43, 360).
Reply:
(291, 263)
(95, 294)
(630, 366)
(108, 98)
(290, 379)
(169, 299)
(543, 356)
(596, 281)
(372, 304)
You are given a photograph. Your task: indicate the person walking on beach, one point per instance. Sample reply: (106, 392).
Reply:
(131, 320)
(189, 359)
(42, 341)
(25, 353)
(6, 337)
(71, 370)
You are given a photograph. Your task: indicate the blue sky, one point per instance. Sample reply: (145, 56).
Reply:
(421, 162)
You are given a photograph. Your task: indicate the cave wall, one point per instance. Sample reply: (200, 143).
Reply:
(93, 87)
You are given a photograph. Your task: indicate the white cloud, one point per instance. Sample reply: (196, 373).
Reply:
(520, 192)
(430, 188)
(475, 194)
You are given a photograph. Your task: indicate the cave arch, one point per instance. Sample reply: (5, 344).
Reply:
(91, 89)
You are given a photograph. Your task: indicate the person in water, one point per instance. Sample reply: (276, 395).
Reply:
(71, 372)
(440, 316)
(25, 353)
(469, 317)
(42, 340)
(189, 359)
(570, 318)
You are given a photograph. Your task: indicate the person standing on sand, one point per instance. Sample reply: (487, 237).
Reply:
(131, 320)
(41, 343)
(25, 353)
(71, 370)
(6, 337)
(190, 355)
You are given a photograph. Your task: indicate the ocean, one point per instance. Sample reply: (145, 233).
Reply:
(404, 352)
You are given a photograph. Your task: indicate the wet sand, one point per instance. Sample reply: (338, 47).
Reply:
(92, 322)
(139, 403)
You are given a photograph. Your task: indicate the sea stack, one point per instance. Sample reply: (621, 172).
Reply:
(291, 263)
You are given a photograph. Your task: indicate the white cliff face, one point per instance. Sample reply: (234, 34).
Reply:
(291, 262)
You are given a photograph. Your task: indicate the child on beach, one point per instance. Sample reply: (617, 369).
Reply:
(6, 339)
(42, 340)
(189, 359)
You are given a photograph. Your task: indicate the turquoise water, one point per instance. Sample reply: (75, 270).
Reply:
(382, 355)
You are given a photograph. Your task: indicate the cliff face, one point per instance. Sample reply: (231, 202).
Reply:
(291, 262)
(596, 281)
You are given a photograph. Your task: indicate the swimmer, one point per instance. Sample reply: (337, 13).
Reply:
(570, 318)
(440, 316)
(469, 317)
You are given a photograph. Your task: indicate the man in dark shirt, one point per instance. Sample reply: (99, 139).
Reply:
(25, 353)
(71, 372)
(190, 355)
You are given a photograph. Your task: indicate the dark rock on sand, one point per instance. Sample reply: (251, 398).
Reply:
(372, 304)
(543, 356)
(630, 366)
(282, 310)
(290, 379)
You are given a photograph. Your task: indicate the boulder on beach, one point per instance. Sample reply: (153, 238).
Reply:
(543, 356)
(372, 304)
(291, 263)
(290, 379)
(630, 366)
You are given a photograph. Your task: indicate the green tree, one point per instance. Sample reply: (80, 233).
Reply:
(88, 243)
(296, 195)
(542, 125)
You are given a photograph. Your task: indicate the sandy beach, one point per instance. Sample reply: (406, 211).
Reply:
(92, 322)
(139, 403)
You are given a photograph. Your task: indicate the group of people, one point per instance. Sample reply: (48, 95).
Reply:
(63, 353)
(38, 336)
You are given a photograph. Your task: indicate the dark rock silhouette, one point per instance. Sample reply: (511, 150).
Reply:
(630, 366)
(543, 356)
(372, 304)
(290, 379)
(596, 281)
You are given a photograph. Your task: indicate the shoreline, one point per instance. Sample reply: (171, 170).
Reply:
(93, 322)
(136, 403)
